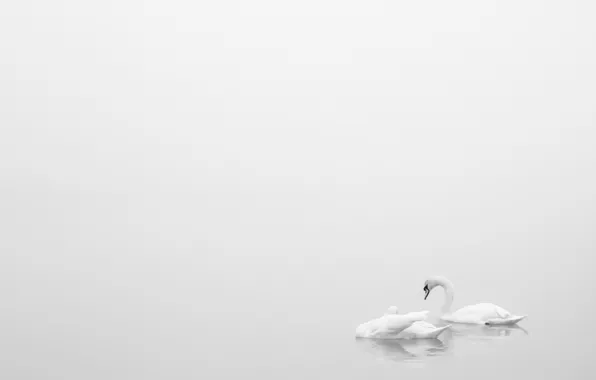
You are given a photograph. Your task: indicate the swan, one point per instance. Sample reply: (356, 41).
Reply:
(389, 325)
(483, 313)
(419, 329)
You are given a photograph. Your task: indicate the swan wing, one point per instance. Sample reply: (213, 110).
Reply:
(389, 326)
(370, 328)
(423, 326)
(422, 330)
(399, 322)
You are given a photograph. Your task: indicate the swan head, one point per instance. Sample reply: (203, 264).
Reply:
(431, 283)
(426, 289)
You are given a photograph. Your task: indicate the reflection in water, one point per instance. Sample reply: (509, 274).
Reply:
(417, 350)
(485, 332)
(403, 350)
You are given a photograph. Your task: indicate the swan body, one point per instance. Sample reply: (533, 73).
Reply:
(389, 325)
(418, 329)
(482, 313)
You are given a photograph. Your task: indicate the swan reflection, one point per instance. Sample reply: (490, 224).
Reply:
(417, 350)
(485, 332)
(403, 350)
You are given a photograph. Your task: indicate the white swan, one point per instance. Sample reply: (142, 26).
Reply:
(419, 329)
(389, 325)
(482, 313)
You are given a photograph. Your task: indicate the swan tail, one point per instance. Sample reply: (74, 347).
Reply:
(505, 321)
(435, 333)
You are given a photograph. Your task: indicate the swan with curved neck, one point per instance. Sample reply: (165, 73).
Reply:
(482, 313)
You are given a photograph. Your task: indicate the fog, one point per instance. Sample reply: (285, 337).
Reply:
(212, 191)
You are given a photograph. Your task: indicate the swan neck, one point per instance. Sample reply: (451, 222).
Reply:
(449, 294)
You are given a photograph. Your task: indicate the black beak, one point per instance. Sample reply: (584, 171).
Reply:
(426, 290)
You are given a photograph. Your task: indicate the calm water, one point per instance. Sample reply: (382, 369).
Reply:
(165, 309)
(186, 274)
